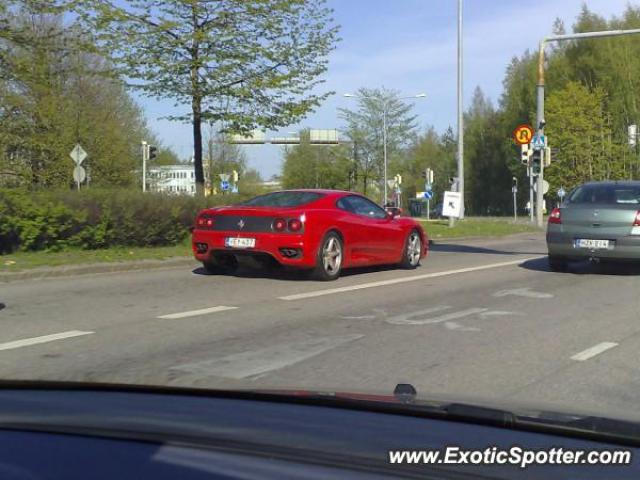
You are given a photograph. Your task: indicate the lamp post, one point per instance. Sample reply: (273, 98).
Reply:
(385, 107)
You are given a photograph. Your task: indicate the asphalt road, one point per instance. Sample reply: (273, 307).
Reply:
(479, 319)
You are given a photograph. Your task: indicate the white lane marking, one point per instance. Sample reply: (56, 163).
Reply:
(193, 313)
(256, 362)
(523, 292)
(403, 320)
(409, 318)
(593, 351)
(393, 281)
(497, 313)
(462, 328)
(43, 339)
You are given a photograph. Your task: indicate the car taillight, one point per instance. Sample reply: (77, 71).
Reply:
(295, 225)
(279, 224)
(555, 216)
(204, 221)
(636, 222)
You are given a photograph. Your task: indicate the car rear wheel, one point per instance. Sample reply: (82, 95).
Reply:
(412, 250)
(557, 264)
(329, 259)
(221, 264)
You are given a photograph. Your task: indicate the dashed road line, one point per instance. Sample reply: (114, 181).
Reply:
(194, 313)
(26, 342)
(593, 351)
(394, 281)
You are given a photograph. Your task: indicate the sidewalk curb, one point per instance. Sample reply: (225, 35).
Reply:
(433, 241)
(77, 270)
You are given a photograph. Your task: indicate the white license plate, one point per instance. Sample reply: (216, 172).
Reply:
(592, 244)
(235, 242)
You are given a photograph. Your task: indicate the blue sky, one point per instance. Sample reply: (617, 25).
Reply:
(410, 46)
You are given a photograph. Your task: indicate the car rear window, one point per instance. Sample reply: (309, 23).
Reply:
(283, 199)
(606, 194)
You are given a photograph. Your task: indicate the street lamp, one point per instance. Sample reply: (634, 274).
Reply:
(385, 106)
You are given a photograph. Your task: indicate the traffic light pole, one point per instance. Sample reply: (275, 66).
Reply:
(531, 217)
(540, 94)
(540, 129)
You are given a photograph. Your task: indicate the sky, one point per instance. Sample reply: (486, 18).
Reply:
(409, 46)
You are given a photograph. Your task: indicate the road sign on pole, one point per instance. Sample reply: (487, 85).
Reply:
(545, 187)
(522, 134)
(451, 205)
(538, 142)
(561, 193)
(78, 154)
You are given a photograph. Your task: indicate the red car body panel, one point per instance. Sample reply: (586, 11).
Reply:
(367, 241)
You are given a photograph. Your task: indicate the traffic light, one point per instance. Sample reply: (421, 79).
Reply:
(153, 152)
(428, 176)
(525, 154)
(547, 157)
(536, 162)
(234, 175)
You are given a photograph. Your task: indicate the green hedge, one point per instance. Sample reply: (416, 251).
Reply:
(96, 218)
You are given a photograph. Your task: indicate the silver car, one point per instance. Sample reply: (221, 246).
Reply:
(598, 220)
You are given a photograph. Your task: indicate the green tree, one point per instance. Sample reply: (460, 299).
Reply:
(364, 127)
(316, 166)
(222, 156)
(247, 63)
(433, 151)
(578, 125)
(52, 95)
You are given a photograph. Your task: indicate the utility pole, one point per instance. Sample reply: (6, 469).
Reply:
(540, 95)
(460, 116)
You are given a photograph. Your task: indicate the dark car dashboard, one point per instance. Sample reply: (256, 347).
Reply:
(68, 432)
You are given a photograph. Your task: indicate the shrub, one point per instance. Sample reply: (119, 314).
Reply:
(96, 218)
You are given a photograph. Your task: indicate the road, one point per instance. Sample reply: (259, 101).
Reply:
(479, 319)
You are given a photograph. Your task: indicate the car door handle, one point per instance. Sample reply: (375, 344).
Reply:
(596, 224)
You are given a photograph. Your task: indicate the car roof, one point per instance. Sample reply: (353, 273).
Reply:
(324, 191)
(609, 183)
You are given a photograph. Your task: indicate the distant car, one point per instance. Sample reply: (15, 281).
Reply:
(598, 220)
(323, 230)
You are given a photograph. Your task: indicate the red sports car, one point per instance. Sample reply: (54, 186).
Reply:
(323, 230)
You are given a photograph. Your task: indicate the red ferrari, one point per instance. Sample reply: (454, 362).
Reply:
(322, 230)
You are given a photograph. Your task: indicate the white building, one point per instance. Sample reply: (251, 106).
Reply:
(173, 179)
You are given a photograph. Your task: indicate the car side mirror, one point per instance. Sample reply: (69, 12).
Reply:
(393, 212)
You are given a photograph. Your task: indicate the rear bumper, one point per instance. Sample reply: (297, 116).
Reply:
(624, 248)
(266, 244)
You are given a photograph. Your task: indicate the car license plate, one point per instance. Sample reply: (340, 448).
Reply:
(592, 244)
(235, 242)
